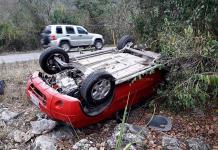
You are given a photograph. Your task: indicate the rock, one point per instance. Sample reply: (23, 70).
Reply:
(197, 144)
(170, 143)
(198, 112)
(45, 142)
(42, 126)
(102, 148)
(8, 115)
(62, 133)
(83, 144)
(2, 124)
(131, 134)
(20, 136)
(40, 115)
(160, 123)
(93, 148)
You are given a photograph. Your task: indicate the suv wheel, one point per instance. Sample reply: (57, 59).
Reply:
(65, 46)
(98, 44)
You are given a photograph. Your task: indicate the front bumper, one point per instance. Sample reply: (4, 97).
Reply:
(55, 105)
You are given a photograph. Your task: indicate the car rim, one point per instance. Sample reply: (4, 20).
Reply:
(101, 89)
(128, 44)
(51, 61)
(98, 45)
(65, 47)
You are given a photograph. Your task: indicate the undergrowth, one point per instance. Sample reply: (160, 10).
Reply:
(192, 63)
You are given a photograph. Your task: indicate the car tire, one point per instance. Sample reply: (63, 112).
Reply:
(98, 44)
(47, 62)
(98, 88)
(65, 45)
(124, 41)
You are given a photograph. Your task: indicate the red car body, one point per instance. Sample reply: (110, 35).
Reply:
(68, 109)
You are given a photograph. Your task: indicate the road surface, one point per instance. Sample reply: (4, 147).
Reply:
(32, 56)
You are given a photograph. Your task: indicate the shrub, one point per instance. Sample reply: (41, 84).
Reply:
(192, 64)
(14, 38)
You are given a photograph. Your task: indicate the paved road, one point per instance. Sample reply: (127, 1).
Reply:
(32, 56)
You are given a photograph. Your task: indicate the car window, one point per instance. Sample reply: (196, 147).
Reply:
(59, 30)
(70, 30)
(47, 30)
(81, 30)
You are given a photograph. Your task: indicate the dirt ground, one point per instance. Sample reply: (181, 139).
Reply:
(15, 76)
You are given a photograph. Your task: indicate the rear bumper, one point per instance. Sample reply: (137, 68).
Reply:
(51, 43)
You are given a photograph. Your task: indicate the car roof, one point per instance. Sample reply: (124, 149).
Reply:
(64, 25)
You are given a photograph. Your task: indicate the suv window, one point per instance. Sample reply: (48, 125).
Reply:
(70, 30)
(59, 30)
(47, 30)
(81, 30)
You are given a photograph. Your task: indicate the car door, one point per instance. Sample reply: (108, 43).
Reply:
(84, 38)
(70, 32)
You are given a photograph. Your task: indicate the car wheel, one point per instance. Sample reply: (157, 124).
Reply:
(98, 44)
(98, 88)
(47, 61)
(65, 46)
(124, 41)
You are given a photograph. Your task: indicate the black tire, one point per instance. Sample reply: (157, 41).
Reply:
(123, 41)
(46, 58)
(88, 85)
(67, 44)
(97, 47)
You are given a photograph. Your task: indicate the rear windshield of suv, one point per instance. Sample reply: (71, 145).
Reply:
(59, 30)
(47, 30)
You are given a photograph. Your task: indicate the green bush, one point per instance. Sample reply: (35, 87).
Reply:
(16, 39)
(192, 63)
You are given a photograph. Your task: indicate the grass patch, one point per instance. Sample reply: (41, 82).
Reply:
(15, 76)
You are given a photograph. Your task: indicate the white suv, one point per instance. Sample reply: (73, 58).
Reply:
(68, 36)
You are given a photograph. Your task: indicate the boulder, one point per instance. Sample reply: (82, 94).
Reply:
(7, 115)
(197, 144)
(62, 133)
(160, 123)
(84, 144)
(131, 134)
(21, 137)
(45, 142)
(170, 143)
(42, 126)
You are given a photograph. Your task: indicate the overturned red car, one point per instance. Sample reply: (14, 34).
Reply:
(89, 88)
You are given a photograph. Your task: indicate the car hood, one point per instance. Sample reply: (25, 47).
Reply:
(96, 35)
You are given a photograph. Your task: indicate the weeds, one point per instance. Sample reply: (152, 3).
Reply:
(15, 76)
(193, 69)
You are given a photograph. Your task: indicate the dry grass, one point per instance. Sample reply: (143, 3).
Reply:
(15, 76)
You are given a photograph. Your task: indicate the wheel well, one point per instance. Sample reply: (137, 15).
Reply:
(98, 39)
(62, 41)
